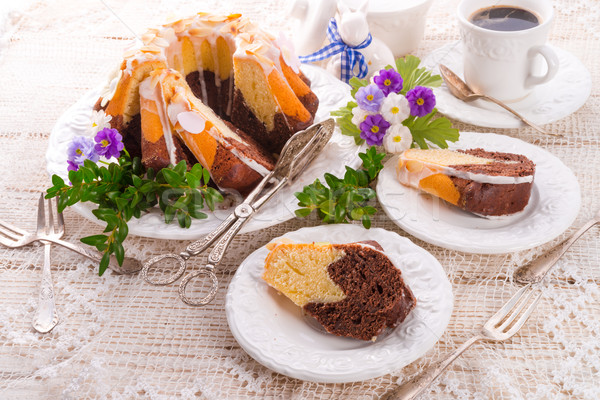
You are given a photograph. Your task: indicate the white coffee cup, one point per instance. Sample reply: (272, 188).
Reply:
(507, 65)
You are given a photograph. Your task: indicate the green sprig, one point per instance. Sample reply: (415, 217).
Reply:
(125, 190)
(340, 200)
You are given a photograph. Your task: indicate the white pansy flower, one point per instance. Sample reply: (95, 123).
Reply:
(395, 108)
(359, 115)
(98, 121)
(397, 139)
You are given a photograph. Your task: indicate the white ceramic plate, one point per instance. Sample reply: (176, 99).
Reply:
(549, 102)
(338, 153)
(273, 331)
(553, 206)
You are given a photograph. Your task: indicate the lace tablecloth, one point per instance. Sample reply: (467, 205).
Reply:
(122, 338)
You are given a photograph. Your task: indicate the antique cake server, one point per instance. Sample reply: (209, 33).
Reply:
(297, 153)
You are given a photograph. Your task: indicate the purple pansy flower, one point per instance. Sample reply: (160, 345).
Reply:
(389, 81)
(421, 100)
(81, 149)
(373, 129)
(72, 166)
(369, 98)
(109, 143)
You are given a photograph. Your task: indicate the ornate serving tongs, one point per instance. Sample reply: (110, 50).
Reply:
(296, 155)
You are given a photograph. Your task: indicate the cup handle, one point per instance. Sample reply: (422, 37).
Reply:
(551, 60)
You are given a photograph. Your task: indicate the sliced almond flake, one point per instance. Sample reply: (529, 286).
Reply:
(234, 16)
(245, 36)
(129, 53)
(151, 49)
(148, 37)
(200, 31)
(217, 18)
(229, 29)
(154, 81)
(158, 41)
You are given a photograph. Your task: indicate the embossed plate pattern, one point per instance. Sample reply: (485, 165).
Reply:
(273, 331)
(552, 208)
(549, 102)
(340, 151)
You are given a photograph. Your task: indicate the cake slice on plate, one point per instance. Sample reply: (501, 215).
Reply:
(483, 182)
(352, 290)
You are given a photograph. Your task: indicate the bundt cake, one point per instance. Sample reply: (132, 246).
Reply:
(352, 290)
(239, 89)
(482, 182)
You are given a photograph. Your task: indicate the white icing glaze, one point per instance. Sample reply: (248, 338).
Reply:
(412, 178)
(155, 94)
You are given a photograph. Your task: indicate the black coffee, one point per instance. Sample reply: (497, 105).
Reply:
(503, 18)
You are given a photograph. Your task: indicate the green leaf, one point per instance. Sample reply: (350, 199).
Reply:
(437, 131)
(137, 181)
(94, 240)
(366, 221)
(169, 214)
(412, 75)
(303, 212)
(180, 168)
(192, 180)
(104, 263)
(205, 176)
(171, 177)
(122, 232)
(58, 181)
(119, 252)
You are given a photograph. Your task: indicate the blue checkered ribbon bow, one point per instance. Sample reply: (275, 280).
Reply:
(350, 55)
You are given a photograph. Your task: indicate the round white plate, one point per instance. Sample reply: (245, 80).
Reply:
(339, 152)
(553, 206)
(549, 102)
(274, 332)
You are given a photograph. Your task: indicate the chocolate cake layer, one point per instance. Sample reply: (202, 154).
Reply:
(218, 95)
(272, 141)
(376, 295)
(509, 164)
(492, 200)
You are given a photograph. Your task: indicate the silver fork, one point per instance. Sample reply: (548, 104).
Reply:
(46, 317)
(501, 326)
(11, 236)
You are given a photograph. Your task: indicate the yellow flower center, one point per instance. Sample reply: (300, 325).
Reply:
(370, 97)
(105, 143)
(387, 82)
(94, 124)
(397, 139)
(78, 151)
(420, 101)
(374, 129)
(395, 110)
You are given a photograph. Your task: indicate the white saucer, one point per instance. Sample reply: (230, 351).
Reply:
(272, 330)
(553, 206)
(340, 151)
(549, 102)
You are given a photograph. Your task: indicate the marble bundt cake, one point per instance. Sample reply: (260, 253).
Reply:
(482, 182)
(352, 290)
(238, 83)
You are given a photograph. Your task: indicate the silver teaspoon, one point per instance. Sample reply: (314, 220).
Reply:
(462, 91)
(536, 270)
